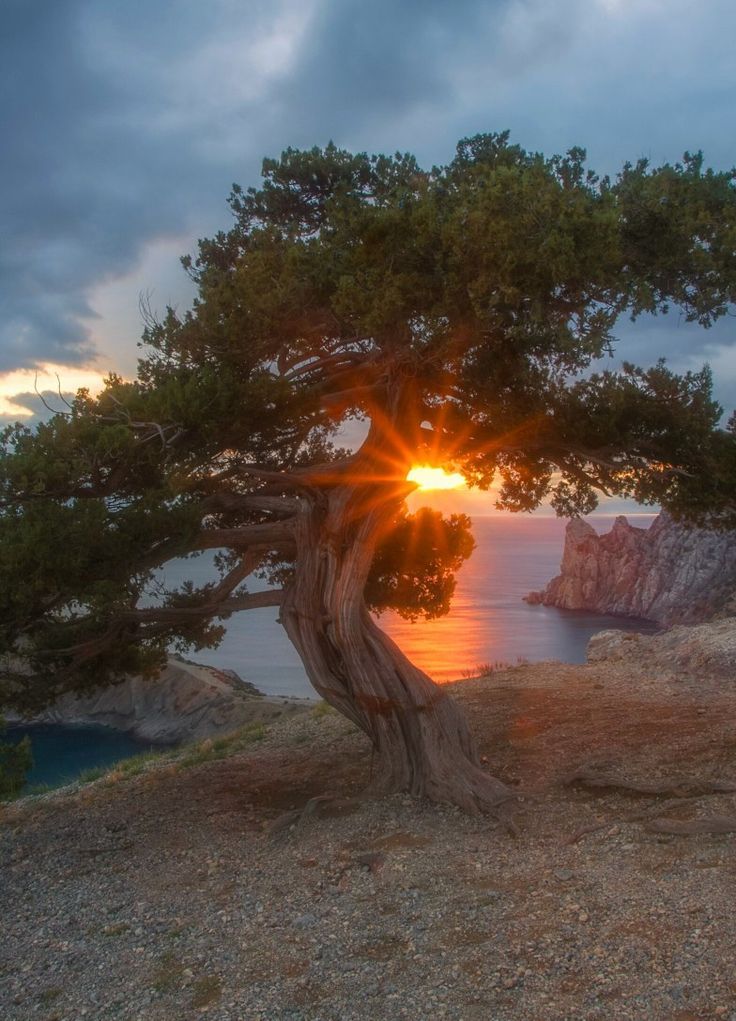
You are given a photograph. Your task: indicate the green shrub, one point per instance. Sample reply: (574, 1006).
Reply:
(15, 762)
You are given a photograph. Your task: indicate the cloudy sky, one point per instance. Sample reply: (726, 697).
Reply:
(125, 124)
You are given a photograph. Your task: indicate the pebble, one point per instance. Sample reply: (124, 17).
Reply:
(565, 875)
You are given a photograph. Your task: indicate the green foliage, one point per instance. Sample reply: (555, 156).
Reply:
(414, 567)
(15, 762)
(458, 310)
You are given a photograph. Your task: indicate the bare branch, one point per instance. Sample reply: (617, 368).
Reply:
(283, 505)
(186, 614)
(339, 360)
(54, 411)
(267, 534)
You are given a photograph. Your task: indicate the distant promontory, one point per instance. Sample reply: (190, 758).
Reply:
(186, 702)
(670, 573)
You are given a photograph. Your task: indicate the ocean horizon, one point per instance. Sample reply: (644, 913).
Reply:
(488, 624)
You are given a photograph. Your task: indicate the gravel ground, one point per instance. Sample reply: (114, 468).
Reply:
(180, 894)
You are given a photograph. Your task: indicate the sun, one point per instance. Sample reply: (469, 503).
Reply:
(434, 478)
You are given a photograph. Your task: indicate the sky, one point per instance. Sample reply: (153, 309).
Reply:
(125, 125)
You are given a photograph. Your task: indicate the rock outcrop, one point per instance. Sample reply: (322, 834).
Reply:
(669, 573)
(700, 651)
(186, 702)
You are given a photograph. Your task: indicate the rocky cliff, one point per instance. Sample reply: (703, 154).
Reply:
(186, 702)
(669, 573)
(702, 652)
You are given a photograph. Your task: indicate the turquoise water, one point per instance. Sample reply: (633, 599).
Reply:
(60, 754)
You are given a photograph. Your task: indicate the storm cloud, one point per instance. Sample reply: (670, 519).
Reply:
(125, 125)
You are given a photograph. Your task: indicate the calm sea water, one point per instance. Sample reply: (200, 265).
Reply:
(61, 753)
(488, 623)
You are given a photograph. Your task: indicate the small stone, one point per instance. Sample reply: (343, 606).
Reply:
(564, 874)
(305, 921)
(583, 916)
(371, 860)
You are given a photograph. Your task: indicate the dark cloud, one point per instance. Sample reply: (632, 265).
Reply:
(93, 166)
(376, 61)
(125, 124)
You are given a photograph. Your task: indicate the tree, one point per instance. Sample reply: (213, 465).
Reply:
(457, 313)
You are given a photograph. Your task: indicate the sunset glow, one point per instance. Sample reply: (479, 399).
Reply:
(434, 478)
(48, 378)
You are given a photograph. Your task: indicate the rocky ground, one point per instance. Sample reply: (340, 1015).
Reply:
(186, 893)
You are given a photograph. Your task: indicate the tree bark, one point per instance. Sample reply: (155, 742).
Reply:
(419, 733)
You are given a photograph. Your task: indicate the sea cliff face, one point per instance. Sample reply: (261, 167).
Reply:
(669, 573)
(186, 702)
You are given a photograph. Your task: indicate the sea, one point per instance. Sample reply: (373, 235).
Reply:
(489, 622)
(489, 625)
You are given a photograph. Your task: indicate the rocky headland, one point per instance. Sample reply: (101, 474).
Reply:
(186, 702)
(670, 573)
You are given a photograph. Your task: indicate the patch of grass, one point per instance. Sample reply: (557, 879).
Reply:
(206, 990)
(137, 763)
(184, 757)
(205, 751)
(38, 788)
(47, 996)
(212, 749)
(169, 974)
(322, 709)
(254, 732)
(116, 929)
(90, 775)
(484, 669)
(131, 766)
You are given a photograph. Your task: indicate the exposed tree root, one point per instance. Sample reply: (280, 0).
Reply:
(596, 780)
(584, 831)
(321, 807)
(682, 827)
(489, 797)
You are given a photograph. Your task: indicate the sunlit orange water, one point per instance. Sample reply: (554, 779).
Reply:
(488, 622)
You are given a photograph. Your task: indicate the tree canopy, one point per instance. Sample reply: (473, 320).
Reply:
(458, 313)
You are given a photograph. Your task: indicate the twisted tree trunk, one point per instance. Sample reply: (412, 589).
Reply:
(420, 735)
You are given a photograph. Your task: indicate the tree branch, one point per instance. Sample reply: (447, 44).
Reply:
(186, 614)
(283, 505)
(266, 534)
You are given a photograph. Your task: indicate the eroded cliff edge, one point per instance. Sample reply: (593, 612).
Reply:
(186, 702)
(669, 573)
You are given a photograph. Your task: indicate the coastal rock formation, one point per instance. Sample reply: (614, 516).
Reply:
(670, 573)
(700, 651)
(186, 702)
